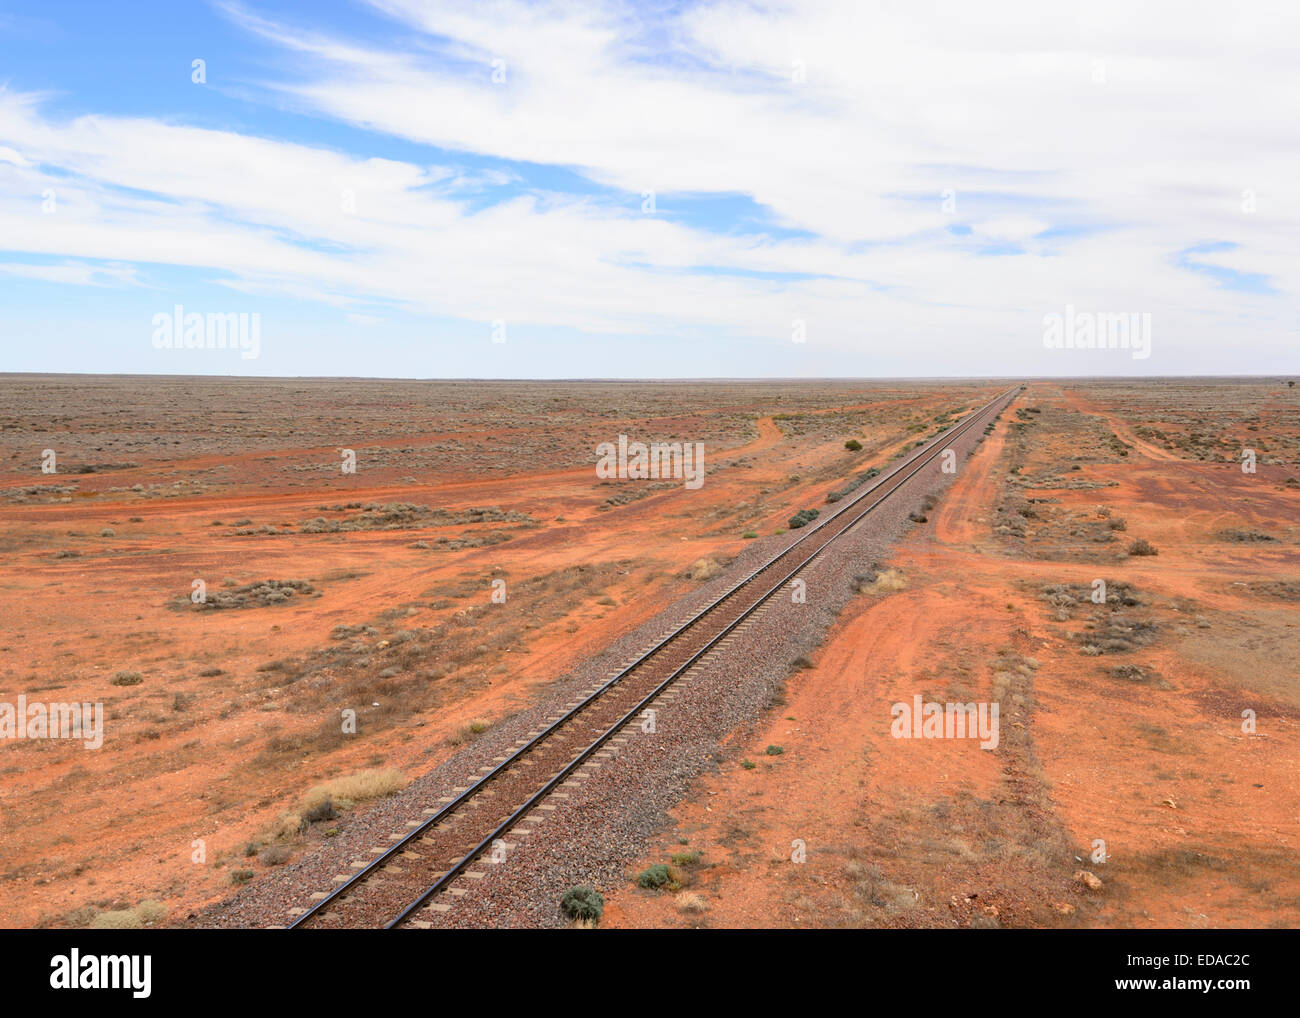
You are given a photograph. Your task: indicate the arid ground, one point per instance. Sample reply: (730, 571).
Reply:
(1148, 771)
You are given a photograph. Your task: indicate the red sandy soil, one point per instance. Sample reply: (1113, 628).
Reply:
(186, 755)
(1201, 821)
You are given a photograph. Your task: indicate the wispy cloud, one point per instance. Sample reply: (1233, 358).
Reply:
(74, 273)
(932, 180)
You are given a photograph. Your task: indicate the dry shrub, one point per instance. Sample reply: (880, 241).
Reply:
(690, 902)
(704, 569)
(469, 731)
(274, 855)
(151, 912)
(147, 913)
(344, 792)
(126, 919)
(288, 826)
(889, 581)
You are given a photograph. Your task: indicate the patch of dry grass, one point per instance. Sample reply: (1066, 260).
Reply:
(354, 788)
(147, 913)
(704, 569)
(885, 582)
(470, 730)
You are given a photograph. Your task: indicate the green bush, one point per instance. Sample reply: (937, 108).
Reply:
(857, 482)
(653, 877)
(583, 902)
(803, 517)
(853, 445)
(774, 750)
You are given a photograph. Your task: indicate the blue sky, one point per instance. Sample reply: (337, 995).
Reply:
(644, 190)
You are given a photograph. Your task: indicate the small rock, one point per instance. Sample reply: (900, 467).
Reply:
(1091, 882)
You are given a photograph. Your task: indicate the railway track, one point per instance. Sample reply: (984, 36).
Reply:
(470, 828)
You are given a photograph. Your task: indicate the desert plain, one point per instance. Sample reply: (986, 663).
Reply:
(348, 537)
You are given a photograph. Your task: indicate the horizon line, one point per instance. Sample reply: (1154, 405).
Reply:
(635, 379)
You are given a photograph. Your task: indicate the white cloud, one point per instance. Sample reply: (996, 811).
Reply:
(1146, 124)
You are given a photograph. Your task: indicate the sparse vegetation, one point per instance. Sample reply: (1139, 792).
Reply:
(652, 878)
(147, 913)
(274, 855)
(470, 730)
(853, 485)
(251, 595)
(413, 662)
(704, 569)
(1139, 676)
(583, 903)
(885, 582)
(1238, 536)
(803, 517)
(343, 793)
(321, 809)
